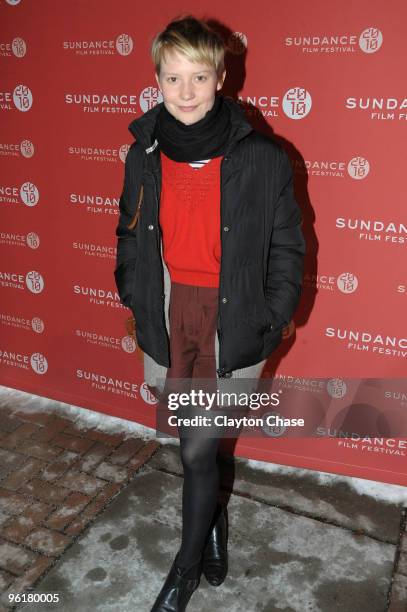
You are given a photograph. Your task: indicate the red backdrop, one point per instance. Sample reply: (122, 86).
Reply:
(325, 82)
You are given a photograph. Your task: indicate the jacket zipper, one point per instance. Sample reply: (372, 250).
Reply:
(159, 235)
(220, 370)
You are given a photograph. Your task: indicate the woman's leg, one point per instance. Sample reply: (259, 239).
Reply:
(199, 495)
(193, 318)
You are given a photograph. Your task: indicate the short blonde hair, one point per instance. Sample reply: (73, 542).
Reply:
(193, 38)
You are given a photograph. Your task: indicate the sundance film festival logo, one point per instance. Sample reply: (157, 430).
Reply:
(103, 102)
(14, 149)
(21, 97)
(374, 230)
(346, 282)
(369, 342)
(397, 393)
(39, 363)
(324, 168)
(33, 240)
(380, 109)
(14, 359)
(128, 345)
(99, 296)
(90, 249)
(34, 281)
(125, 343)
(146, 394)
(369, 41)
(99, 205)
(17, 47)
(37, 325)
(297, 103)
(301, 383)
(95, 154)
(12, 239)
(150, 97)
(27, 148)
(28, 194)
(358, 168)
(336, 388)
(237, 43)
(123, 45)
(18, 322)
(384, 445)
(123, 150)
(108, 384)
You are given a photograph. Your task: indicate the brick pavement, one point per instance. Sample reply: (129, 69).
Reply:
(55, 478)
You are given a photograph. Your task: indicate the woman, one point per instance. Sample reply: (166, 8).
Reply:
(209, 259)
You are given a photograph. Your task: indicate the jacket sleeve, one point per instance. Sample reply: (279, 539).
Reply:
(127, 238)
(287, 250)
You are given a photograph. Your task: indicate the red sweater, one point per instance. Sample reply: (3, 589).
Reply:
(190, 221)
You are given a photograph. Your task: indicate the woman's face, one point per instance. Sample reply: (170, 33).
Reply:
(188, 88)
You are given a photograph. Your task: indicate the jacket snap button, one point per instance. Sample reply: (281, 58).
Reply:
(226, 229)
(150, 227)
(224, 300)
(271, 327)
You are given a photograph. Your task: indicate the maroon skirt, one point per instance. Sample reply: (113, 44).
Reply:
(193, 313)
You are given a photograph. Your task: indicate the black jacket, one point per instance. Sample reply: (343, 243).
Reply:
(262, 245)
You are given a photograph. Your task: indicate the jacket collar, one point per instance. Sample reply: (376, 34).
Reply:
(142, 128)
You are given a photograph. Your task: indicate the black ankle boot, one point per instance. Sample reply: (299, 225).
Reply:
(177, 590)
(215, 556)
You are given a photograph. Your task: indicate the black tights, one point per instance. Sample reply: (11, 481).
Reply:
(199, 494)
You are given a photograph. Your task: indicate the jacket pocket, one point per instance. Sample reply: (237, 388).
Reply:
(273, 333)
(124, 282)
(271, 321)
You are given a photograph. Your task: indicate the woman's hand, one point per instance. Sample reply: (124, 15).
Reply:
(131, 327)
